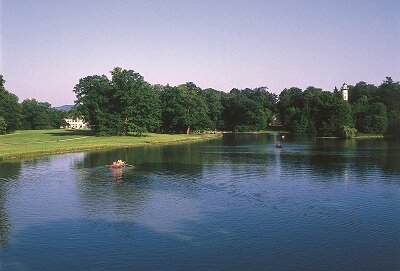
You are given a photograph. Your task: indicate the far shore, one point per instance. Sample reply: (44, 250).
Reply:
(361, 136)
(31, 143)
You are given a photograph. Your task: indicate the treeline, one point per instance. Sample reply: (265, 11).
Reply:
(126, 103)
(28, 115)
(370, 109)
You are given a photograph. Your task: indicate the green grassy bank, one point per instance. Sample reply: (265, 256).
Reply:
(29, 143)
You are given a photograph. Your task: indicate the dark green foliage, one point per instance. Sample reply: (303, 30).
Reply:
(248, 109)
(314, 111)
(94, 94)
(361, 89)
(291, 110)
(128, 104)
(125, 104)
(10, 110)
(213, 100)
(135, 101)
(389, 94)
(184, 108)
(376, 120)
(3, 126)
(348, 132)
(2, 81)
(394, 123)
(38, 116)
(376, 108)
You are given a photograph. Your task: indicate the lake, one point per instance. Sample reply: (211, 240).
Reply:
(234, 203)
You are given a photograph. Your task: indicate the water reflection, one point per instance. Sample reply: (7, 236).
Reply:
(9, 171)
(235, 203)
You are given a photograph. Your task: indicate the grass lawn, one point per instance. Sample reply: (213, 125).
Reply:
(30, 143)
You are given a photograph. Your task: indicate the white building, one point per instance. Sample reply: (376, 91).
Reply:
(76, 123)
(345, 92)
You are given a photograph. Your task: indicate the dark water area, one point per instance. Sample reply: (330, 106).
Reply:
(235, 203)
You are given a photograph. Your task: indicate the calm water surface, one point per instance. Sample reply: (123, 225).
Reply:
(235, 203)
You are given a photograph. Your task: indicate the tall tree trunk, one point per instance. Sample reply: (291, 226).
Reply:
(188, 130)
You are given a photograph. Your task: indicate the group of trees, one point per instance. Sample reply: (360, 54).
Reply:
(38, 116)
(30, 114)
(376, 109)
(10, 110)
(370, 109)
(314, 111)
(126, 103)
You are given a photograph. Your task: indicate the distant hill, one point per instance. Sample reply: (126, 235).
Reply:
(65, 107)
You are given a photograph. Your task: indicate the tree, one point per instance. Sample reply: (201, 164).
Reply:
(3, 126)
(136, 102)
(37, 115)
(184, 109)
(125, 104)
(376, 120)
(388, 93)
(10, 109)
(213, 99)
(315, 111)
(360, 90)
(328, 112)
(94, 102)
(2, 81)
(248, 109)
(291, 110)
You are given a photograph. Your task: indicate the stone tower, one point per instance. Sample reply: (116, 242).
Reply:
(345, 92)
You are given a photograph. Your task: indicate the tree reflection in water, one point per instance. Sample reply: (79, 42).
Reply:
(8, 171)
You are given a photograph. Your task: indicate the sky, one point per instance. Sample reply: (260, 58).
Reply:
(46, 46)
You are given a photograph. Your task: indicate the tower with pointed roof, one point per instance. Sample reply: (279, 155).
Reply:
(345, 92)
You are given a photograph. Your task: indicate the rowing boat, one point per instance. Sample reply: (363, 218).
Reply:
(119, 166)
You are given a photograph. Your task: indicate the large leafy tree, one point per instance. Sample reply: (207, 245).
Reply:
(314, 111)
(10, 110)
(376, 120)
(94, 102)
(184, 108)
(376, 109)
(329, 113)
(213, 100)
(389, 94)
(361, 89)
(37, 115)
(248, 109)
(293, 114)
(136, 102)
(124, 104)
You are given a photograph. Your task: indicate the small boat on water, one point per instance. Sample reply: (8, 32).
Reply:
(279, 146)
(119, 166)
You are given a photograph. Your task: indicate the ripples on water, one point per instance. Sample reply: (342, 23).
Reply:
(232, 204)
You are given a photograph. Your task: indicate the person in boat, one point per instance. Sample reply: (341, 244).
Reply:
(118, 163)
(121, 163)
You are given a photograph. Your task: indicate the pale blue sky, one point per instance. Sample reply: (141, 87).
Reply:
(47, 45)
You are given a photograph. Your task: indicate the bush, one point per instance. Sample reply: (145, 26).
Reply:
(349, 132)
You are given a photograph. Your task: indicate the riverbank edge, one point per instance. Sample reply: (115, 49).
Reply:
(28, 155)
(356, 137)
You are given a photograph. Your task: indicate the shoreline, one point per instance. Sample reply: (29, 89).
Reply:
(356, 137)
(34, 143)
